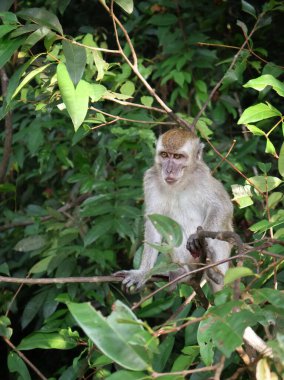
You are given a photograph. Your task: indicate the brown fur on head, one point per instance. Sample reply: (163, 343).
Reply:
(174, 139)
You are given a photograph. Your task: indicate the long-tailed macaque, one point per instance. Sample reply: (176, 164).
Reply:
(179, 185)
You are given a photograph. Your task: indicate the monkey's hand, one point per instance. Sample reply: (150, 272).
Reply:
(193, 246)
(134, 278)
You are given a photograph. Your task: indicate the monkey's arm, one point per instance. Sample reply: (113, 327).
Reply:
(138, 277)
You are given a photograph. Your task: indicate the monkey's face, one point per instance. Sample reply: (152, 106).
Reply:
(172, 165)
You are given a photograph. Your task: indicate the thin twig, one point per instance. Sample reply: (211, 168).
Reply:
(59, 280)
(25, 359)
(185, 372)
(131, 120)
(125, 103)
(225, 157)
(218, 84)
(220, 368)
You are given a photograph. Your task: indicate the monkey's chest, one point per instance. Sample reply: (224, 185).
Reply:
(186, 209)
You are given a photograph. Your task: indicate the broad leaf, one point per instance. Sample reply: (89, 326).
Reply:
(100, 229)
(48, 340)
(17, 365)
(265, 183)
(127, 88)
(281, 161)
(97, 91)
(255, 130)
(242, 195)
(75, 100)
(263, 81)
(31, 243)
(126, 5)
(233, 274)
(169, 229)
(107, 337)
(41, 17)
(5, 29)
(29, 77)
(76, 59)
(258, 112)
(7, 49)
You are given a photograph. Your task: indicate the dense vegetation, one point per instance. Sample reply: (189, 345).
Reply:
(84, 93)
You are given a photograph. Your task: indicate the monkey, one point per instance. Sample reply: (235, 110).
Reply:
(179, 185)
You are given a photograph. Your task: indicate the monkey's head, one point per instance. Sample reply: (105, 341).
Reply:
(177, 153)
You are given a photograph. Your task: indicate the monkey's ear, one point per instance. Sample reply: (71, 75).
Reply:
(200, 151)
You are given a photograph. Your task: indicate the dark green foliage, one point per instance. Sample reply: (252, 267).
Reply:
(72, 199)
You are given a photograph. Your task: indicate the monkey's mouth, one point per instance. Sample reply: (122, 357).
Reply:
(170, 180)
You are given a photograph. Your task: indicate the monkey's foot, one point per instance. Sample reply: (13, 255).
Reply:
(193, 246)
(133, 280)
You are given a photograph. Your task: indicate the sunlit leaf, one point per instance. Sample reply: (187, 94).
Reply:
(255, 130)
(263, 81)
(97, 91)
(258, 112)
(234, 274)
(28, 78)
(270, 147)
(48, 340)
(106, 336)
(75, 100)
(242, 195)
(265, 183)
(127, 88)
(169, 229)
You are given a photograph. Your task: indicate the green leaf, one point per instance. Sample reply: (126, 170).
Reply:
(242, 195)
(17, 365)
(47, 340)
(36, 36)
(258, 112)
(147, 100)
(76, 59)
(5, 29)
(234, 274)
(127, 88)
(75, 100)
(126, 5)
(169, 229)
(263, 81)
(28, 78)
(42, 265)
(264, 225)
(5, 330)
(274, 199)
(265, 183)
(100, 229)
(281, 161)
(31, 243)
(41, 17)
(255, 130)
(127, 375)
(8, 48)
(248, 8)
(273, 296)
(270, 147)
(28, 28)
(107, 337)
(97, 91)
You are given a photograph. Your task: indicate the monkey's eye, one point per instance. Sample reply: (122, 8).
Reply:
(178, 156)
(164, 154)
